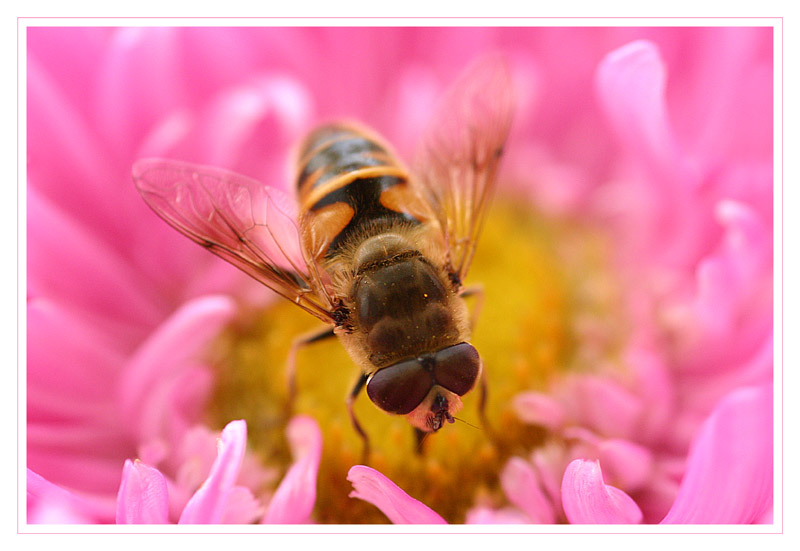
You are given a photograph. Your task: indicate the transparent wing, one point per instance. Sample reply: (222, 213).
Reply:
(460, 153)
(250, 225)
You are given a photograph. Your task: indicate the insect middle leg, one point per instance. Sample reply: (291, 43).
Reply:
(291, 373)
(291, 361)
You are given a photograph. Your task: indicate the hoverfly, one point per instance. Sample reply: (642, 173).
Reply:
(376, 251)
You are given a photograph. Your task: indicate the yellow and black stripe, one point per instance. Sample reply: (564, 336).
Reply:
(350, 185)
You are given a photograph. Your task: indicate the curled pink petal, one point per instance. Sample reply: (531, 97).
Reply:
(294, 499)
(729, 471)
(521, 485)
(142, 497)
(588, 500)
(208, 504)
(398, 506)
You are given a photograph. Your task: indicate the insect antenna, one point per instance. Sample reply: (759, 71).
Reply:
(468, 423)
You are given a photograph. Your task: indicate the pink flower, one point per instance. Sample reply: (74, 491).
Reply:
(655, 143)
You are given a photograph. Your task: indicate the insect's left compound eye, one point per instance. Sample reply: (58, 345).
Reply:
(457, 367)
(401, 387)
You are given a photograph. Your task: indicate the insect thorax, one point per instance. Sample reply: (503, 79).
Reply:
(402, 303)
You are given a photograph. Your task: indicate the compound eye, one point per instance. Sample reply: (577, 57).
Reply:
(457, 368)
(401, 387)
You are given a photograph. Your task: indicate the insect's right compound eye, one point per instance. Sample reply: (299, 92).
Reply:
(401, 387)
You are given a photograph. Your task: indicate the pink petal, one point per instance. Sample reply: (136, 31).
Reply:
(83, 471)
(194, 457)
(588, 500)
(728, 476)
(90, 275)
(539, 409)
(66, 161)
(656, 497)
(166, 135)
(142, 496)
(550, 462)
(214, 58)
(50, 504)
(727, 279)
(747, 365)
(248, 124)
(626, 463)
(295, 497)
(242, 507)
(749, 183)
(521, 485)
(139, 80)
(748, 239)
(605, 406)
(174, 345)
(208, 504)
(68, 353)
(187, 400)
(653, 381)
(727, 112)
(398, 506)
(70, 55)
(631, 85)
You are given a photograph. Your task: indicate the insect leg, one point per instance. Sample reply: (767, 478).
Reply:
(362, 380)
(477, 292)
(420, 436)
(482, 400)
(291, 361)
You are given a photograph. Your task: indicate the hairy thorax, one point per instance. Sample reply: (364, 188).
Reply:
(404, 305)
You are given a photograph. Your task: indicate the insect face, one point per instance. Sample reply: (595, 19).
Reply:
(427, 388)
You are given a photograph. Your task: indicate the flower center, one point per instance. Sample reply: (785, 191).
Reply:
(546, 285)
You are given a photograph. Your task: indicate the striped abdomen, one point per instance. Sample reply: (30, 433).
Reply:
(350, 187)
